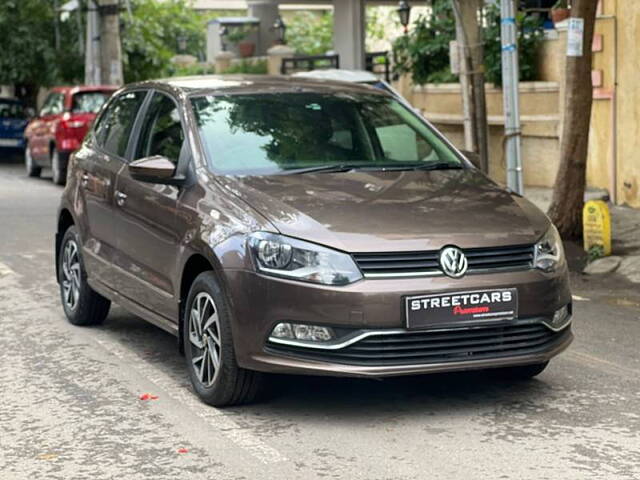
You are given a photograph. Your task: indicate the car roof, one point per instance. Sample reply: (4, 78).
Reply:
(355, 76)
(239, 84)
(84, 88)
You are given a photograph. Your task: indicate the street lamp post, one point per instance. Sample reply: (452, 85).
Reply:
(281, 30)
(404, 12)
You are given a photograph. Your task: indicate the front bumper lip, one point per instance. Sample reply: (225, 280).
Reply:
(274, 360)
(271, 362)
(358, 335)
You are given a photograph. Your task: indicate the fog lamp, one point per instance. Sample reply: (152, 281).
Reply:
(302, 332)
(560, 318)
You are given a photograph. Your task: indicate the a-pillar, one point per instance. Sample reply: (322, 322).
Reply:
(349, 33)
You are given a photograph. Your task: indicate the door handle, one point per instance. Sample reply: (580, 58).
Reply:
(121, 198)
(85, 180)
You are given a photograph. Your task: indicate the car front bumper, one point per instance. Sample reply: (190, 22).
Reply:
(375, 309)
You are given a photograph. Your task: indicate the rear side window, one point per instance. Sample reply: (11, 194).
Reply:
(88, 102)
(115, 125)
(161, 132)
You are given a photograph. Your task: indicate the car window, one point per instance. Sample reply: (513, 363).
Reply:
(161, 132)
(88, 102)
(114, 127)
(53, 105)
(10, 109)
(271, 133)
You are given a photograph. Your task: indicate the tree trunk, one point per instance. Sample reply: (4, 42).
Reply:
(469, 38)
(110, 50)
(568, 192)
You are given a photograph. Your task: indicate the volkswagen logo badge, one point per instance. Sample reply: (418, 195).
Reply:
(453, 262)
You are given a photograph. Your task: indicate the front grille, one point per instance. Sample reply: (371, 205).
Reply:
(427, 347)
(481, 260)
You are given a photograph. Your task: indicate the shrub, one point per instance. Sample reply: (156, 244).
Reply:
(424, 52)
(256, 67)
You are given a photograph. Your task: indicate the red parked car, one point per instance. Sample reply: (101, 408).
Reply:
(60, 127)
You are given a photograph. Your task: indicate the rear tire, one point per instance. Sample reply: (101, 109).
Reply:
(524, 372)
(208, 346)
(58, 167)
(82, 305)
(30, 166)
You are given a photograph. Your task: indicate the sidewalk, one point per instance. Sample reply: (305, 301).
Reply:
(625, 231)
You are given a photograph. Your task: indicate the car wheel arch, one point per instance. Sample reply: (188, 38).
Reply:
(65, 220)
(194, 265)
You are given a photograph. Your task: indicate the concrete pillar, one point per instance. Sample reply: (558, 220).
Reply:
(274, 58)
(349, 32)
(223, 61)
(267, 12)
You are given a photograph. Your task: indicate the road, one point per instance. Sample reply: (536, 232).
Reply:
(70, 404)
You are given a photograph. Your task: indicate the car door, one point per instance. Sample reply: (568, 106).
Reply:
(43, 127)
(146, 213)
(98, 164)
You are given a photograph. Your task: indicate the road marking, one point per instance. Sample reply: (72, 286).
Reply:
(578, 298)
(216, 418)
(5, 271)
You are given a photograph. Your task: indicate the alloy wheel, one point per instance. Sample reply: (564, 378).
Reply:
(204, 338)
(71, 274)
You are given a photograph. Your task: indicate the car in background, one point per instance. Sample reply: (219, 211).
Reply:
(60, 127)
(13, 121)
(352, 76)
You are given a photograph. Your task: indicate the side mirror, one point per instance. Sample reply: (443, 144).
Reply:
(473, 157)
(155, 169)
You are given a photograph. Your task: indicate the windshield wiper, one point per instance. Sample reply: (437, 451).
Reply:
(345, 167)
(324, 169)
(416, 166)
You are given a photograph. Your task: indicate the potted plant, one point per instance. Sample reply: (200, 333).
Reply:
(237, 36)
(560, 11)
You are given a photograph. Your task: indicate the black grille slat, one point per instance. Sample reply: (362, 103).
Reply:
(397, 265)
(435, 345)
(406, 348)
(449, 335)
(505, 259)
(421, 263)
(440, 351)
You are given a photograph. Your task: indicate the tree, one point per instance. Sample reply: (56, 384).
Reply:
(568, 192)
(150, 37)
(309, 33)
(29, 57)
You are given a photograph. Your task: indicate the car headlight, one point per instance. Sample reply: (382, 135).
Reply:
(292, 258)
(549, 252)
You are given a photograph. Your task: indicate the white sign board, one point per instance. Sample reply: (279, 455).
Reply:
(454, 57)
(575, 37)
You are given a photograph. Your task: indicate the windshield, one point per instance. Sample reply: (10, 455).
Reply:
(88, 102)
(10, 109)
(270, 133)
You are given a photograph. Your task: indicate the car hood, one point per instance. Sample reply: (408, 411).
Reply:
(392, 211)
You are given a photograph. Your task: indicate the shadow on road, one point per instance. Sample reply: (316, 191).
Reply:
(350, 399)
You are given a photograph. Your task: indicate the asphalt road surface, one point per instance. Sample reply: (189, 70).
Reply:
(70, 404)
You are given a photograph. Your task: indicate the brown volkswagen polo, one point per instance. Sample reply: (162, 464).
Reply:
(279, 225)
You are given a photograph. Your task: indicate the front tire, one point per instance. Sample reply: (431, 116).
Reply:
(58, 167)
(30, 166)
(208, 345)
(82, 305)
